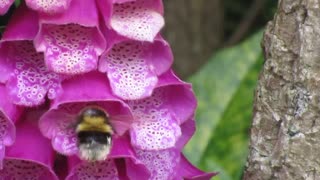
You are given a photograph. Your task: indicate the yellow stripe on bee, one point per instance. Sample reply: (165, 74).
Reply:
(94, 120)
(94, 124)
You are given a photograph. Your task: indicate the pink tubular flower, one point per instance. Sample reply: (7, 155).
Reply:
(133, 67)
(121, 164)
(98, 170)
(161, 130)
(27, 79)
(125, 162)
(71, 41)
(170, 164)
(81, 92)
(135, 19)
(50, 7)
(42, 6)
(9, 113)
(112, 106)
(5, 5)
(158, 118)
(30, 80)
(31, 157)
(163, 125)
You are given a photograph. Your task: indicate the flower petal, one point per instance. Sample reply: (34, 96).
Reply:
(170, 164)
(156, 128)
(72, 41)
(5, 5)
(22, 18)
(58, 126)
(138, 20)
(23, 25)
(50, 7)
(127, 163)
(161, 164)
(122, 1)
(82, 12)
(30, 81)
(31, 157)
(188, 171)
(160, 56)
(79, 93)
(160, 134)
(95, 170)
(121, 148)
(135, 170)
(70, 49)
(25, 169)
(132, 66)
(9, 114)
(188, 128)
(159, 116)
(5, 67)
(121, 164)
(182, 100)
(129, 72)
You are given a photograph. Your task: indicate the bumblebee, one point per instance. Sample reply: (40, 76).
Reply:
(94, 134)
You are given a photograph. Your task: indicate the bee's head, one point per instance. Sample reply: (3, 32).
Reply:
(93, 119)
(93, 112)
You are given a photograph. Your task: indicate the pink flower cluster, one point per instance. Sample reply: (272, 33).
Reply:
(58, 57)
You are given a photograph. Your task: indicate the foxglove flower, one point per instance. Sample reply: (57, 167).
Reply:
(159, 129)
(158, 118)
(135, 19)
(69, 55)
(31, 156)
(9, 114)
(170, 163)
(5, 5)
(27, 79)
(133, 67)
(163, 125)
(50, 7)
(71, 41)
(80, 92)
(121, 164)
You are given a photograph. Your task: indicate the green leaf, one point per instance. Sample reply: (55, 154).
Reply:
(217, 87)
(228, 146)
(17, 3)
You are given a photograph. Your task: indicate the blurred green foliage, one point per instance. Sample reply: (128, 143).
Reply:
(17, 2)
(225, 89)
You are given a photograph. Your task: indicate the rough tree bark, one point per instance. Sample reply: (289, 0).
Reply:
(285, 134)
(194, 29)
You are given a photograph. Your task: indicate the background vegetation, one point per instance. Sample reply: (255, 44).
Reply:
(224, 88)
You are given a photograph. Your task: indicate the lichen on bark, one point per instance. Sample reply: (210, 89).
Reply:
(285, 133)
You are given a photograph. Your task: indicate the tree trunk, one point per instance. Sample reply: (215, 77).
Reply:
(194, 29)
(285, 134)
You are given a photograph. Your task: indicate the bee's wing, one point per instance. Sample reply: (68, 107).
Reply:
(70, 120)
(74, 121)
(121, 123)
(53, 122)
